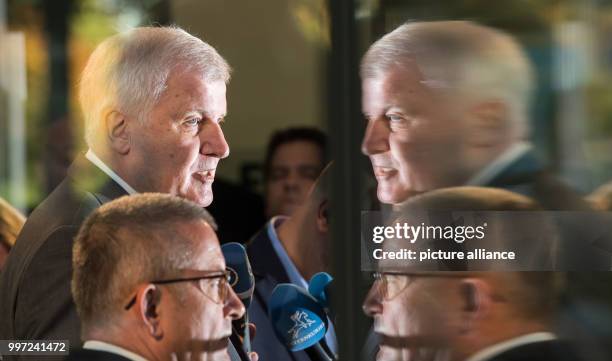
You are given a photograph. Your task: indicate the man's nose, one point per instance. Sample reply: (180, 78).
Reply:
(376, 138)
(233, 307)
(372, 304)
(292, 180)
(213, 142)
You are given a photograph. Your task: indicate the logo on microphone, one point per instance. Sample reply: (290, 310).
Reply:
(300, 322)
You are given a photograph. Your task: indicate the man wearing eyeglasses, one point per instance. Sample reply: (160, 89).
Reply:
(450, 309)
(149, 283)
(459, 316)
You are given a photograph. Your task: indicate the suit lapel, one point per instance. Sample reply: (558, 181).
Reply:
(522, 170)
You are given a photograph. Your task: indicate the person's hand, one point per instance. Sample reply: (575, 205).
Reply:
(253, 356)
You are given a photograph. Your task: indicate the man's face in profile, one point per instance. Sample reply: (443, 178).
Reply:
(200, 320)
(294, 168)
(413, 137)
(413, 310)
(414, 315)
(179, 146)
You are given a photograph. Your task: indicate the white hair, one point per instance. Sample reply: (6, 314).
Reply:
(470, 59)
(128, 72)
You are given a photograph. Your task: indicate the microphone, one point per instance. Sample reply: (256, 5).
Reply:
(317, 287)
(241, 280)
(239, 267)
(299, 321)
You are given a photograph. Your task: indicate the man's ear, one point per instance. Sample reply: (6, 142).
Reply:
(488, 121)
(117, 131)
(150, 303)
(323, 216)
(475, 296)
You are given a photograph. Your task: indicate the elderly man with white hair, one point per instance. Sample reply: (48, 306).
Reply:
(446, 104)
(153, 100)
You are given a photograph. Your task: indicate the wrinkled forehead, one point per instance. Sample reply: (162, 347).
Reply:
(206, 253)
(396, 78)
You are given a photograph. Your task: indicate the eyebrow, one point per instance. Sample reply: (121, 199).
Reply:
(200, 112)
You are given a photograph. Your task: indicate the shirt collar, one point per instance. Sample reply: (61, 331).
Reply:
(107, 347)
(489, 172)
(292, 272)
(106, 169)
(489, 352)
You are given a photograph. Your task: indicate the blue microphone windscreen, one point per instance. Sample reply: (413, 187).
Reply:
(298, 319)
(241, 276)
(318, 287)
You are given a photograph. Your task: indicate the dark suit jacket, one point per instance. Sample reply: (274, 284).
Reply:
(553, 350)
(94, 355)
(269, 272)
(35, 298)
(527, 176)
(583, 240)
(235, 224)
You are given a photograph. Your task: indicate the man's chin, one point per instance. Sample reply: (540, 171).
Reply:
(386, 353)
(287, 209)
(390, 194)
(222, 355)
(202, 198)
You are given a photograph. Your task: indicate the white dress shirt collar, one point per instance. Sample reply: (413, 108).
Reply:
(489, 172)
(106, 169)
(498, 348)
(107, 347)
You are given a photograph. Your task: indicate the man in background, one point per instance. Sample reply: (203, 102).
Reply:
(290, 250)
(294, 159)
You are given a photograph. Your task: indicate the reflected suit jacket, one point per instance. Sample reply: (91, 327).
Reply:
(553, 350)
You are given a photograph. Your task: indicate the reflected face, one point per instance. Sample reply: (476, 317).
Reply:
(414, 317)
(414, 137)
(294, 168)
(179, 146)
(200, 320)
